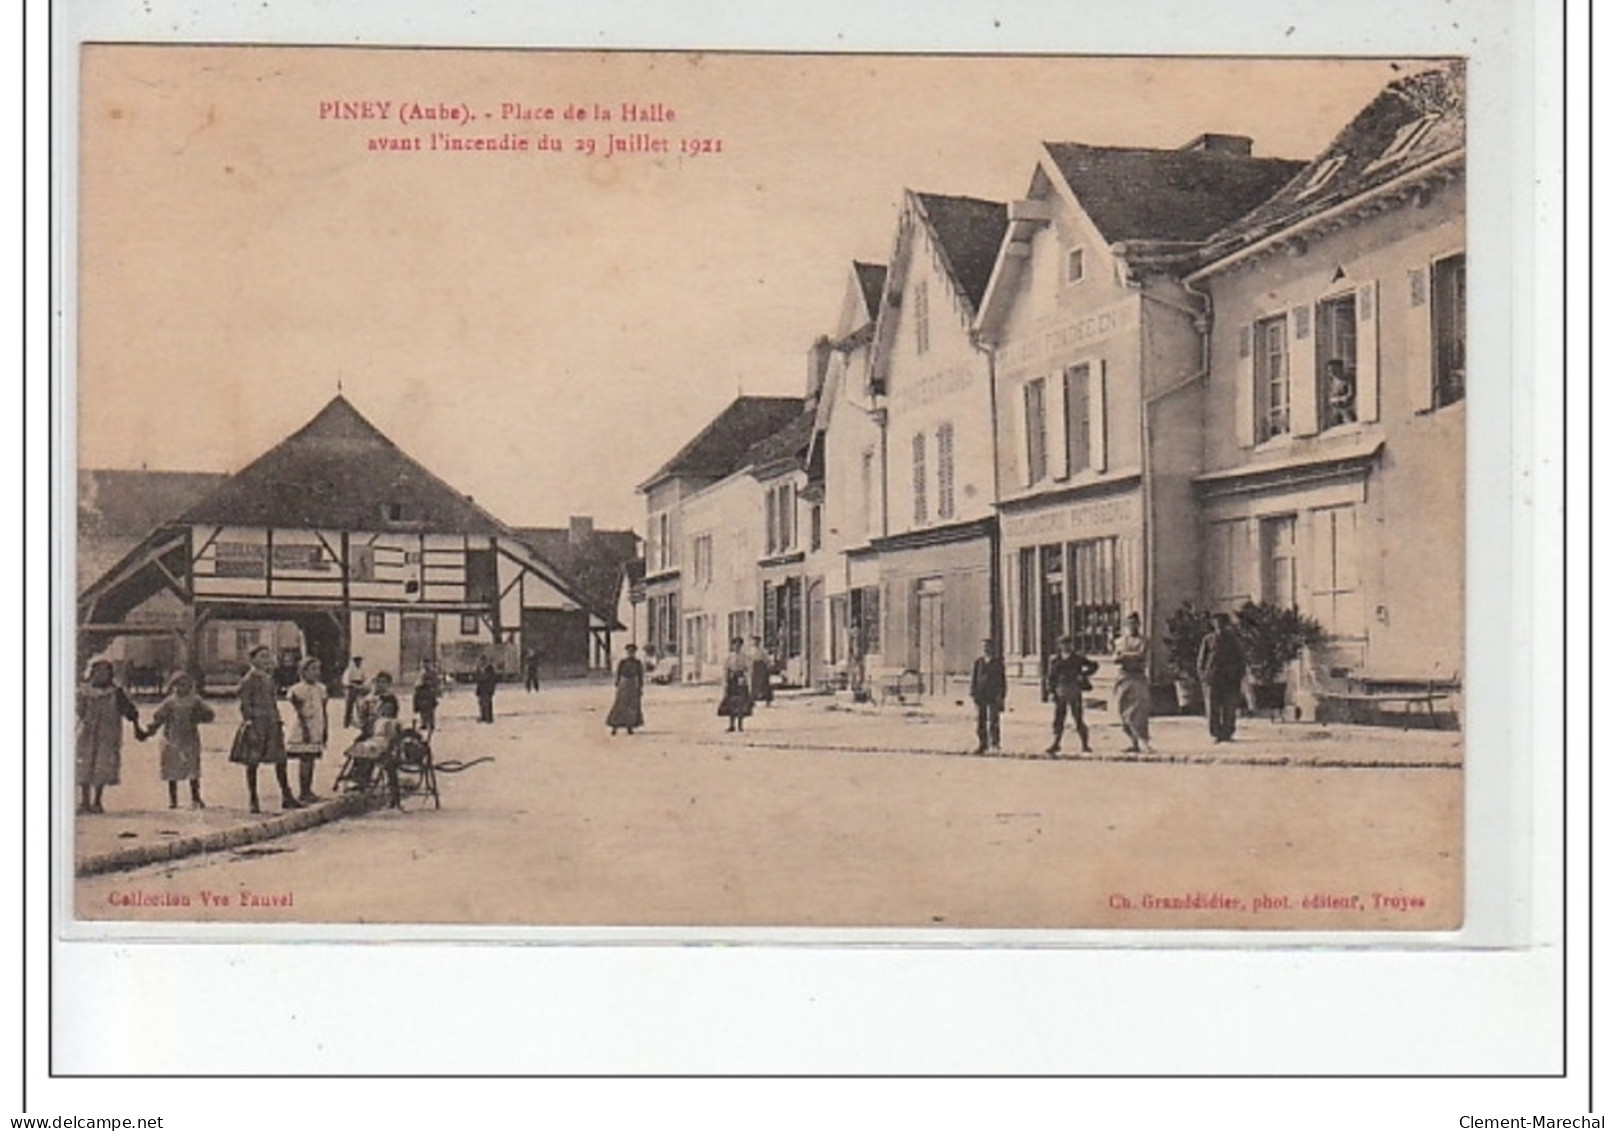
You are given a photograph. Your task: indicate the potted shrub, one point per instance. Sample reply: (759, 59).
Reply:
(1185, 629)
(1273, 637)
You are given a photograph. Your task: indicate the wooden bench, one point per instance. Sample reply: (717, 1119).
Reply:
(1380, 691)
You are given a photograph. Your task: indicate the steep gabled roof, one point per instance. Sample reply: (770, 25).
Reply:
(968, 232)
(871, 280)
(720, 449)
(1422, 116)
(593, 563)
(1166, 195)
(339, 472)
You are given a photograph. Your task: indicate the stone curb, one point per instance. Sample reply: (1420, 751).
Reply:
(221, 840)
(1288, 761)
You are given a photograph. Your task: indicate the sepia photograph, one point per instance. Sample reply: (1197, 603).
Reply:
(601, 489)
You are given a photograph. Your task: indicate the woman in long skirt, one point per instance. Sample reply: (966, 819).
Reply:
(626, 708)
(260, 737)
(736, 702)
(1133, 685)
(762, 673)
(98, 741)
(180, 716)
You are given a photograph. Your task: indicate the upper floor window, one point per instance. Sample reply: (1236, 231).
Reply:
(1337, 360)
(921, 513)
(661, 551)
(1449, 302)
(922, 317)
(1077, 418)
(944, 471)
(779, 517)
(1075, 265)
(1272, 347)
(1037, 451)
(815, 527)
(701, 559)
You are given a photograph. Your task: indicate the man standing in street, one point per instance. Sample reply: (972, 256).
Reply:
(988, 688)
(487, 684)
(354, 684)
(1221, 665)
(1068, 679)
(530, 668)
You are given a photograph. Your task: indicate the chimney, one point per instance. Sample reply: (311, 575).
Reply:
(579, 528)
(818, 363)
(1230, 145)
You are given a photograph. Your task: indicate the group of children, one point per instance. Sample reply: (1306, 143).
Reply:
(262, 737)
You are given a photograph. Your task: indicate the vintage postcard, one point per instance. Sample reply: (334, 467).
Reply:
(525, 488)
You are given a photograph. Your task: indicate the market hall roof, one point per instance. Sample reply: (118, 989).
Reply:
(337, 472)
(340, 472)
(722, 447)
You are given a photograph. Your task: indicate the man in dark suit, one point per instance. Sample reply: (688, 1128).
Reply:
(988, 688)
(1067, 680)
(1221, 667)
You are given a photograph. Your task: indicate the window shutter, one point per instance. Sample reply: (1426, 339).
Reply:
(1420, 355)
(1059, 441)
(1018, 419)
(1245, 391)
(1368, 352)
(1096, 416)
(1303, 367)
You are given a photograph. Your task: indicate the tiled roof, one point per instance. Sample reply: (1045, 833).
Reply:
(1422, 115)
(871, 278)
(969, 232)
(594, 562)
(339, 472)
(128, 504)
(787, 446)
(1165, 194)
(722, 447)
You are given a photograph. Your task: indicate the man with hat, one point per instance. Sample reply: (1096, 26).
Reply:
(1067, 680)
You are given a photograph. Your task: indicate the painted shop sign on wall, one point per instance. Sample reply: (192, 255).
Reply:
(1063, 335)
(1074, 518)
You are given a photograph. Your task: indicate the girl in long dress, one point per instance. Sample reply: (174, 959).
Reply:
(626, 708)
(180, 716)
(1133, 685)
(736, 702)
(260, 737)
(311, 727)
(98, 740)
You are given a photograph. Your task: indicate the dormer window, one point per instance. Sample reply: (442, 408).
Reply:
(394, 512)
(1322, 175)
(1406, 138)
(1075, 267)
